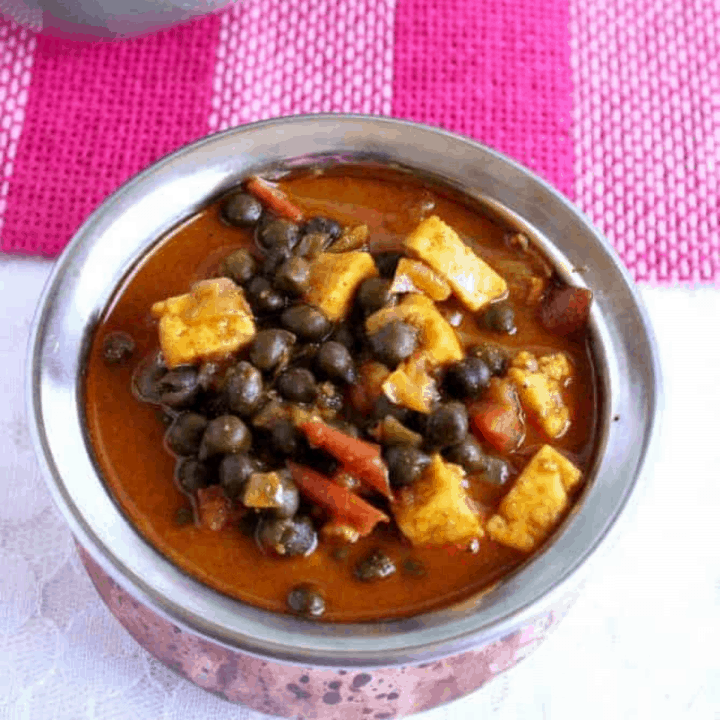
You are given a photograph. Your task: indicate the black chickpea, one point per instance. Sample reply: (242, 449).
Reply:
(500, 317)
(234, 472)
(307, 322)
(293, 276)
(467, 378)
(279, 234)
(447, 425)
(192, 474)
(146, 378)
(374, 294)
(271, 348)
(497, 471)
(467, 453)
(394, 342)
(335, 361)
(241, 210)
(297, 385)
(306, 600)
(386, 263)
(375, 566)
(118, 347)
(263, 297)
(324, 225)
(496, 358)
(224, 434)
(285, 438)
(240, 266)
(184, 436)
(286, 537)
(179, 387)
(244, 388)
(406, 464)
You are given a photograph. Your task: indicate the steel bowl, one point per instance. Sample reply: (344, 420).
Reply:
(279, 663)
(104, 19)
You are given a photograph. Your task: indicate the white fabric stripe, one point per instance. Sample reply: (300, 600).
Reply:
(340, 59)
(17, 51)
(640, 643)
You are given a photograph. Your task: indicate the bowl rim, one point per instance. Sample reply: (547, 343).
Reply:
(88, 271)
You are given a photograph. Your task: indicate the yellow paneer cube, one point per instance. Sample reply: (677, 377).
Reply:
(411, 386)
(211, 321)
(555, 366)
(334, 280)
(473, 281)
(436, 509)
(531, 510)
(538, 383)
(416, 276)
(438, 341)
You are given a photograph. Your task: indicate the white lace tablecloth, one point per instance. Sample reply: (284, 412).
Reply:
(642, 641)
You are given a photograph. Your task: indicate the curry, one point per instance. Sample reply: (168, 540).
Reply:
(347, 395)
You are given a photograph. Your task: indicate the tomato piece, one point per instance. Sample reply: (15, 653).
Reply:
(274, 199)
(566, 310)
(213, 507)
(499, 424)
(344, 505)
(361, 459)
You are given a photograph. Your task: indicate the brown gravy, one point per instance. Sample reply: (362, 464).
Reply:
(127, 436)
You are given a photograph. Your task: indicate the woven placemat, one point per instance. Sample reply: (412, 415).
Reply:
(617, 104)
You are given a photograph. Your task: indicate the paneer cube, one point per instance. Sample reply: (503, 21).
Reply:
(473, 281)
(438, 341)
(334, 280)
(352, 238)
(211, 321)
(531, 510)
(416, 276)
(538, 383)
(266, 490)
(436, 510)
(556, 366)
(411, 386)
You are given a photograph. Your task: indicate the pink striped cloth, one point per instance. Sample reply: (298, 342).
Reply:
(616, 102)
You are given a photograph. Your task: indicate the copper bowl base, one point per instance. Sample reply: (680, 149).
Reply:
(317, 693)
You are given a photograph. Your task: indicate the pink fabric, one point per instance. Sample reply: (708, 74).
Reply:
(342, 60)
(647, 132)
(616, 102)
(17, 50)
(96, 114)
(498, 72)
